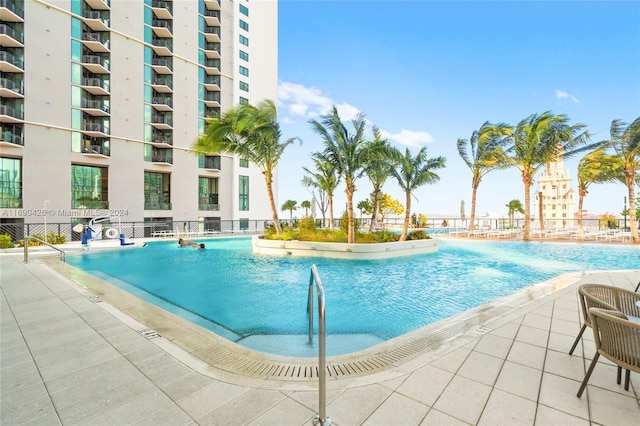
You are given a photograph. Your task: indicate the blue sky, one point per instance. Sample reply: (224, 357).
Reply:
(427, 73)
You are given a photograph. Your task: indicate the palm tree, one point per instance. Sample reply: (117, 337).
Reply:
(377, 170)
(326, 180)
(625, 142)
(290, 205)
(413, 172)
(595, 167)
(346, 151)
(537, 140)
(306, 205)
(364, 206)
(252, 133)
(514, 206)
(481, 154)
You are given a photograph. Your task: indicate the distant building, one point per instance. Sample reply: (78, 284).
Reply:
(101, 101)
(555, 197)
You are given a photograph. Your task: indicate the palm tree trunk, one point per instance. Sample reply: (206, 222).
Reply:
(632, 209)
(272, 204)
(405, 225)
(472, 222)
(527, 204)
(351, 235)
(374, 214)
(580, 204)
(330, 198)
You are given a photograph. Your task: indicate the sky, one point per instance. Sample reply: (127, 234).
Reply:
(427, 73)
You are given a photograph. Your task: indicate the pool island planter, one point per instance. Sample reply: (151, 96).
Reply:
(343, 250)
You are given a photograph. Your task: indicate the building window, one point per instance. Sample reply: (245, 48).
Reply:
(244, 223)
(244, 162)
(244, 56)
(244, 40)
(10, 182)
(244, 71)
(244, 194)
(208, 194)
(89, 187)
(244, 25)
(244, 101)
(244, 10)
(157, 191)
(244, 86)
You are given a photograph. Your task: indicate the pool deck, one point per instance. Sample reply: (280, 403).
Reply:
(68, 357)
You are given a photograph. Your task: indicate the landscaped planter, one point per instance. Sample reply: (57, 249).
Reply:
(344, 250)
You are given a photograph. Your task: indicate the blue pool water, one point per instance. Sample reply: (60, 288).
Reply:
(260, 301)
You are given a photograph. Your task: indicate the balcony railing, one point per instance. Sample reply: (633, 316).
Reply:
(162, 139)
(12, 85)
(95, 104)
(212, 63)
(163, 5)
(209, 207)
(17, 7)
(162, 159)
(101, 16)
(11, 112)
(162, 119)
(212, 30)
(13, 60)
(162, 24)
(12, 137)
(163, 62)
(102, 38)
(162, 81)
(96, 82)
(162, 42)
(95, 59)
(212, 163)
(12, 32)
(93, 148)
(162, 100)
(89, 204)
(10, 203)
(92, 126)
(149, 205)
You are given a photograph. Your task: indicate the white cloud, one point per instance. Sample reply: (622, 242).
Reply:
(301, 101)
(561, 94)
(408, 137)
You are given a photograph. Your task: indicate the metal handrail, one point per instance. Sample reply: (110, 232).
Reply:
(63, 255)
(321, 419)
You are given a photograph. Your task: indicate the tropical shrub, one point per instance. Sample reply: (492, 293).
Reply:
(419, 234)
(5, 241)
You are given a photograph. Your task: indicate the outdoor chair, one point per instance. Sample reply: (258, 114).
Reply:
(606, 297)
(618, 340)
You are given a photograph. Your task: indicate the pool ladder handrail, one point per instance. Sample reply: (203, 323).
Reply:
(63, 255)
(321, 419)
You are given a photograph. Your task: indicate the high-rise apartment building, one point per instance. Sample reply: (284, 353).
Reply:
(102, 100)
(555, 198)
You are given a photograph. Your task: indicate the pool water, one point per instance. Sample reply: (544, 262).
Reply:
(260, 301)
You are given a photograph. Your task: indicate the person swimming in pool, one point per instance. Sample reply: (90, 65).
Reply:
(185, 243)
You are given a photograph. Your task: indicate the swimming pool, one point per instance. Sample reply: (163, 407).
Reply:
(260, 301)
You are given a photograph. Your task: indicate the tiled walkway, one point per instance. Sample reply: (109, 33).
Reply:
(68, 360)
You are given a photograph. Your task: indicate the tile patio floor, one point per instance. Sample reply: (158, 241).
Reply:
(67, 360)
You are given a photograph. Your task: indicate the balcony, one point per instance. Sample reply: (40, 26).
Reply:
(96, 148)
(212, 34)
(211, 162)
(95, 107)
(96, 20)
(163, 84)
(162, 9)
(11, 114)
(212, 18)
(212, 83)
(96, 42)
(162, 64)
(99, 4)
(161, 139)
(85, 203)
(212, 99)
(162, 122)
(209, 203)
(96, 86)
(11, 138)
(10, 203)
(10, 37)
(156, 205)
(162, 103)
(12, 10)
(10, 63)
(162, 28)
(212, 112)
(96, 64)
(212, 50)
(212, 66)
(162, 46)
(11, 89)
(95, 129)
(162, 156)
(212, 4)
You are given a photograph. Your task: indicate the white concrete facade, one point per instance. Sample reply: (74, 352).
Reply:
(161, 67)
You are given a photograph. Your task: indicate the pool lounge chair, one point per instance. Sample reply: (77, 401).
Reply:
(618, 340)
(606, 297)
